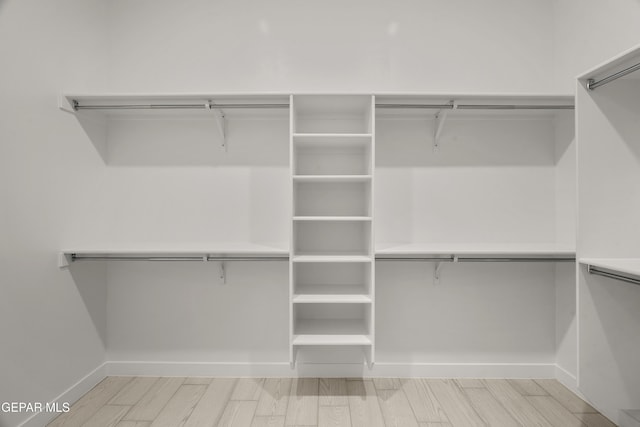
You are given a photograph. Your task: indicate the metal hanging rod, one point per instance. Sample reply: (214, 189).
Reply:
(416, 106)
(75, 257)
(427, 259)
(454, 258)
(514, 107)
(204, 106)
(592, 83)
(524, 259)
(476, 106)
(596, 271)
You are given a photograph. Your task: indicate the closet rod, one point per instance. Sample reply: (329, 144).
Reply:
(75, 257)
(524, 259)
(77, 106)
(476, 106)
(477, 259)
(430, 259)
(513, 107)
(417, 106)
(592, 83)
(596, 271)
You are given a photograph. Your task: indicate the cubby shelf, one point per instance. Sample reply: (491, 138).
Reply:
(332, 218)
(331, 294)
(331, 258)
(330, 340)
(332, 178)
(329, 327)
(326, 137)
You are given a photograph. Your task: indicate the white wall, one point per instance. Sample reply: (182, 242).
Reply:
(53, 328)
(588, 32)
(361, 45)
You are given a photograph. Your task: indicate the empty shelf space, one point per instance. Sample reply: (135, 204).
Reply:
(331, 294)
(333, 140)
(332, 114)
(332, 178)
(330, 327)
(332, 218)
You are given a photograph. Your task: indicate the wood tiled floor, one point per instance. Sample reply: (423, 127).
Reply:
(380, 402)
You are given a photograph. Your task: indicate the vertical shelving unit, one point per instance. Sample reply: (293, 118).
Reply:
(332, 254)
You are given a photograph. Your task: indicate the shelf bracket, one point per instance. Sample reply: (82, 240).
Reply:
(223, 272)
(221, 121)
(436, 272)
(440, 119)
(64, 260)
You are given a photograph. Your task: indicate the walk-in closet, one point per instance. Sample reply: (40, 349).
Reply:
(287, 213)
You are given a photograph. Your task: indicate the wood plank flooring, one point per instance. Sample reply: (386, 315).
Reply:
(331, 402)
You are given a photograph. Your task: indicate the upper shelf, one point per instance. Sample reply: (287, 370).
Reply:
(472, 105)
(175, 104)
(191, 252)
(497, 251)
(625, 66)
(628, 266)
(113, 104)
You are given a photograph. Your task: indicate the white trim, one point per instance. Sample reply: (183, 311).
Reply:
(71, 395)
(283, 369)
(567, 379)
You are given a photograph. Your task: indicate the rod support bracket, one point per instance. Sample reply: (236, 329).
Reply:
(590, 83)
(436, 272)
(440, 119)
(64, 260)
(223, 272)
(221, 121)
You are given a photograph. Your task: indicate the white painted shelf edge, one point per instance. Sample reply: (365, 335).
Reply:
(331, 258)
(332, 178)
(332, 218)
(612, 63)
(330, 340)
(331, 299)
(477, 249)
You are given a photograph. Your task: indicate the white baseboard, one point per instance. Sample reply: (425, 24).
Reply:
(629, 418)
(283, 369)
(71, 395)
(567, 379)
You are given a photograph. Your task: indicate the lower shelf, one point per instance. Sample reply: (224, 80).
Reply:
(330, 340)
(331, 294)
(331, 332)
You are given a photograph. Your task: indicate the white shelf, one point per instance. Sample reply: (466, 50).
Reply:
(332, 178)
(66, 103)
(331, 294)
(332, 218)
(619, 265)
(331, 258)
(165, 249)
(333, 141)
(330, 332)
(330, 340)
(615, 64)
(310, 137)
(471, 250)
